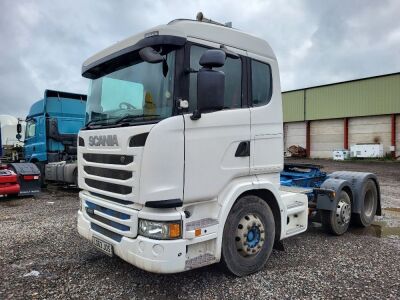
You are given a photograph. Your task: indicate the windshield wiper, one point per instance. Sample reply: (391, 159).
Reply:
(95, 122)
(132, 117)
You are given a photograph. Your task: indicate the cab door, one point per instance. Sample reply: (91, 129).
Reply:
(266, 116)
(215, 144)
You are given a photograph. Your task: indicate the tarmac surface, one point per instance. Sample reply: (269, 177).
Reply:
(42, 256)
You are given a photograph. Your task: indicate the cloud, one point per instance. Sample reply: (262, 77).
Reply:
(45, 42)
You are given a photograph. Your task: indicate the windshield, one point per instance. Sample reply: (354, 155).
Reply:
(134, 94)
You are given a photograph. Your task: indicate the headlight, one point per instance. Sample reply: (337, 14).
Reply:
(160, 230)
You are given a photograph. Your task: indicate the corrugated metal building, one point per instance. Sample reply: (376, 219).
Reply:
(335, 116)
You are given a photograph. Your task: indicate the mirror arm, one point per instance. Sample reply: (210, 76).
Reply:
(190, 70)
(196, 115)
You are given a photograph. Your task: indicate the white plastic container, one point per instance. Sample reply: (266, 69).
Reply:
(341, 154)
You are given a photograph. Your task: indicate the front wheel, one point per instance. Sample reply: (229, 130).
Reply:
(337, 221)
(248, 237)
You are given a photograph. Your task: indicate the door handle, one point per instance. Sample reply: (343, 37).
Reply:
(243, 150)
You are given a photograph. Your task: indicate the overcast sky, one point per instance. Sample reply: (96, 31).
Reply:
(43, 43)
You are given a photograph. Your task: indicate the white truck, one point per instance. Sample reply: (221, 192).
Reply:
(181, 159)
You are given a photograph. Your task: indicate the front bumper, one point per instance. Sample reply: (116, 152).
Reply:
(157, 256)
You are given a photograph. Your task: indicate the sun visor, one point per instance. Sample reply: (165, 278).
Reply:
(124, 56)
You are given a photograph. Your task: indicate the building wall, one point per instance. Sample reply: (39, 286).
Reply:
(326, 136)
(293, 106)
(366, 97)
(375, 129)
(294, 134)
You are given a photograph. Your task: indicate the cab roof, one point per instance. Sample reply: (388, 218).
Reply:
(192, 29)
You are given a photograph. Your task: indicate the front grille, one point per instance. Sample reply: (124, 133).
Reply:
(108, 211)
(109, 187)
(108, 173)
(113, 159)
(108, 233)
(116, 200)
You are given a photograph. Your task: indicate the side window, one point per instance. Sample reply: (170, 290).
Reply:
(233, 79)
(261, 80)
(30, 129)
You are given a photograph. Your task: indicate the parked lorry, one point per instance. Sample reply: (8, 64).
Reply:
(52, 126)
(181, 159)
(21, 179)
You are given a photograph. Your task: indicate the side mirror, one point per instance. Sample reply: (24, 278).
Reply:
(19, 128)
(210, 83)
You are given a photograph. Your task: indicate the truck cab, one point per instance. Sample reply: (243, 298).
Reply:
(181, 157)
(52, 126)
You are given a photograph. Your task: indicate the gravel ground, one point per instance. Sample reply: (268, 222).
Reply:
(42, 256)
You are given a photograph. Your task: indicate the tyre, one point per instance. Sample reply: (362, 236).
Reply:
(368, 206)
(248, 237)
(337, 221)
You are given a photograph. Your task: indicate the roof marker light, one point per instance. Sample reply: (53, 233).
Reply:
(151, 33)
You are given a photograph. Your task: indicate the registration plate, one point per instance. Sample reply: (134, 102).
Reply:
(107, 248)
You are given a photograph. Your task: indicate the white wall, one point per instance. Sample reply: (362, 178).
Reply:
(326, 136)
(295, 134)
(370, 130)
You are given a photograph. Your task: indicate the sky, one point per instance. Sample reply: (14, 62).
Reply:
(44, 43)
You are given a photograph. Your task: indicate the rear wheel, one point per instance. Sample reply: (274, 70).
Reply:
(337, 221)
(368, 205)
(248, 236)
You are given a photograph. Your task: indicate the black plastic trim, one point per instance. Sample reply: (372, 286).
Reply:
(243, 149)
(138, 140)
(81, 141)
(108, 173)
(170, 203)
(113, 159)
(108, 233)
(123, 202)
(92, 71)
(109, 187)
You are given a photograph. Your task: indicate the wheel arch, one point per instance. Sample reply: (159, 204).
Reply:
(337, 185)
(266, 191)
(272, 202)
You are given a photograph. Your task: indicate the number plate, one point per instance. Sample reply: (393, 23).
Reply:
(107, 248)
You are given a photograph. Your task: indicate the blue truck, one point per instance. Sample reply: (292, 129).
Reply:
(51, 132)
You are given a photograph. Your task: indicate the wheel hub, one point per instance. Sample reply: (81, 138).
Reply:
(250, 235)
(343, 212)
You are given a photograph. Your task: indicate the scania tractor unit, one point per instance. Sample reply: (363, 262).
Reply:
(181, 162)
(52, 127)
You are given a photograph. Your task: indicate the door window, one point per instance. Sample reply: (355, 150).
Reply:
(233, 79)
(261, 79)
(30, 129)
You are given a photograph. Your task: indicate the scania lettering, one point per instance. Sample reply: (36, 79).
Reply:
(103, 140)
(195, 174)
